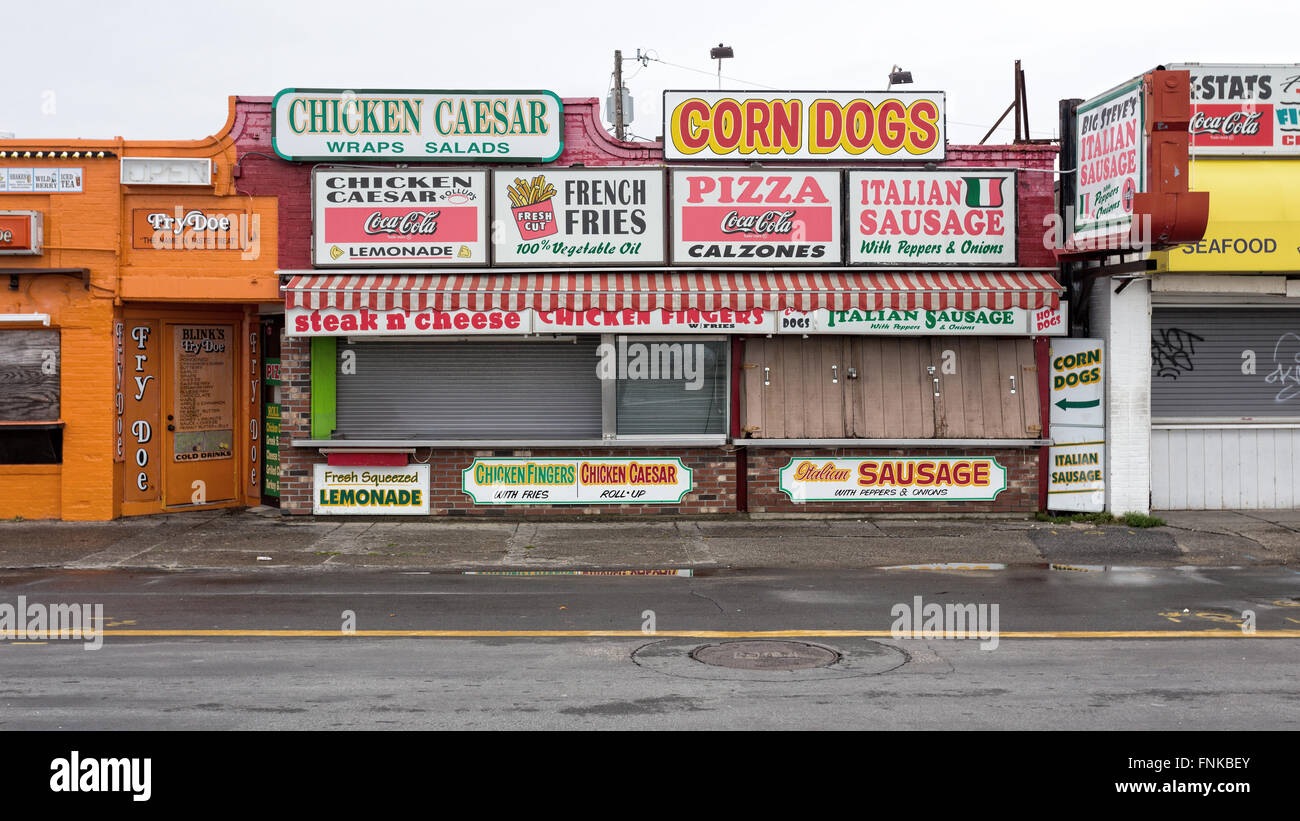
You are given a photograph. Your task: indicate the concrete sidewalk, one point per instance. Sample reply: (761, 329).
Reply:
(260, 538)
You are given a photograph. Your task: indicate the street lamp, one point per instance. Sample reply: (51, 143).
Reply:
(897, 75)
(720, 53)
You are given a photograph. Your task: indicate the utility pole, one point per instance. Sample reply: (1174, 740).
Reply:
(619, 129)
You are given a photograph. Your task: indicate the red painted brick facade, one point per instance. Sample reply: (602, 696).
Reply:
(1021, 495)
(260, 172)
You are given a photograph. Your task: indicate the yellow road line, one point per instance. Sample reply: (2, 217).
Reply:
(702, 634)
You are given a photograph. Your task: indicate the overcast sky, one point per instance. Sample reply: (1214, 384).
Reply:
(153, 69)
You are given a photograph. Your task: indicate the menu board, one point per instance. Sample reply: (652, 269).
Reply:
(204, 405)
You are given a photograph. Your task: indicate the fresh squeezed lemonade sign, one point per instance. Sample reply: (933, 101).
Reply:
(576, 481)
(371, 491)
(962, 479)
(932, 217)
(419, 126)
(803, 125)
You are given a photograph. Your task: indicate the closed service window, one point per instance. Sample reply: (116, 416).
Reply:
(670, 387)
(1225, 363)
(417, 389)
(30, 433)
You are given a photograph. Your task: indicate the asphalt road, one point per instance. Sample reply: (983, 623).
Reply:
(1076, 648)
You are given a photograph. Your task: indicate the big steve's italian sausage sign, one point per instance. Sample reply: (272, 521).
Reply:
(760, 216)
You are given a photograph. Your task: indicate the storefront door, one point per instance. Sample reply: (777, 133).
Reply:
(199, 409)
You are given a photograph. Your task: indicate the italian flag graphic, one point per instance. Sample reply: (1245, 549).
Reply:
(984, 192)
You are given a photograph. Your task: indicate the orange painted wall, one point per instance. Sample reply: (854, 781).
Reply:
(92, 230)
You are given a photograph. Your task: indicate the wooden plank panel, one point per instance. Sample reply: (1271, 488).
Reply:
(918, 388)
(976, 372)
(29, 376)
(1001, 407)
(835, 408)
(794, 382)
(769, 371)
(1027, 385)
(871, 423)
(947, 406)
(809, 401)
(751, 388)
(893, 387)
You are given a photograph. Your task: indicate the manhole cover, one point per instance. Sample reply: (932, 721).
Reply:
(765, 655)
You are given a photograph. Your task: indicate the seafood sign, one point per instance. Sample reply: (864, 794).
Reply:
(959, 479)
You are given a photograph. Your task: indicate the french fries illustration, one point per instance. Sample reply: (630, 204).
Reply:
(531, 192)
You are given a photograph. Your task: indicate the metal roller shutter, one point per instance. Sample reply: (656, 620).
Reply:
(470, 390)
(1201, 368)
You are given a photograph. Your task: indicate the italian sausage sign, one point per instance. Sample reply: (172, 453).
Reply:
(960, 479)
(764, 216)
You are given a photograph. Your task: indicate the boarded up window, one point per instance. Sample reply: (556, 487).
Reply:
(890, 388)
(29, 376)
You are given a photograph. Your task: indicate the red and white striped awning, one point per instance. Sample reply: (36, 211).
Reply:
(802, 291)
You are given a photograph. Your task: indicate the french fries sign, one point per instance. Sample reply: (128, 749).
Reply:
(417, 126)
(804, 125)
(579, 216)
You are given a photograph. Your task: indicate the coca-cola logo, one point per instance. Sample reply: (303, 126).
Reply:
(1237, 123)
(416, 223)
(768, 222)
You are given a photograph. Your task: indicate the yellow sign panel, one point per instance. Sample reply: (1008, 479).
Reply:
(1254, 218)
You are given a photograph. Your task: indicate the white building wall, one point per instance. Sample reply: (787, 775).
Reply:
(1123, 321)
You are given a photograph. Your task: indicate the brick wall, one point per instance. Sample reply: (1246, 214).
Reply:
(1021, 495)
(295, 423)
(713, 476)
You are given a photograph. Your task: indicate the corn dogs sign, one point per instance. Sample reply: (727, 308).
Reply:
(417, 126)
(804, 125)
(961, 479)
